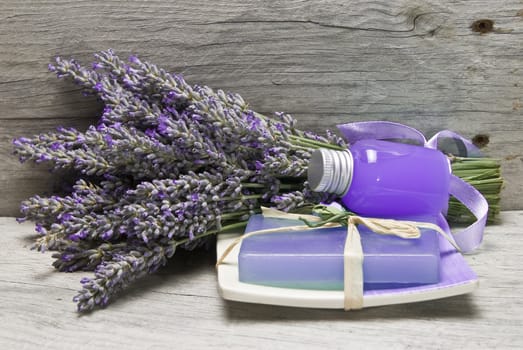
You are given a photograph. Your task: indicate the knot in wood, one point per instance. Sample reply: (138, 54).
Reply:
(482, 26)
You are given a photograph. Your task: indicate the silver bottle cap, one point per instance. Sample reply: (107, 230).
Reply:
(330, 171)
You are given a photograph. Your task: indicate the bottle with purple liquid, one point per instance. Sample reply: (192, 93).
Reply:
(383, 179)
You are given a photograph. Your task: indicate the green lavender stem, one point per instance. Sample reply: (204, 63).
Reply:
(235, 226)
(283, 186)
(297, 140)
(485, 175)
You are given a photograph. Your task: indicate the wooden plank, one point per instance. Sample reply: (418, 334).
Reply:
(326, 62)
(180, 305)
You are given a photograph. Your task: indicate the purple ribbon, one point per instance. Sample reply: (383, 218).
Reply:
(381, 130)
(469, 238)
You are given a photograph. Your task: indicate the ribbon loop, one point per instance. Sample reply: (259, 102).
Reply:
(380, 130)
(470, 238)
(384, 130)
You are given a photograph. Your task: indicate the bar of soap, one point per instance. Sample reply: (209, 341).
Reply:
(313, 259)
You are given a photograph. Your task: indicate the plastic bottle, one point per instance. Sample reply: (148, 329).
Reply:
(383, 179)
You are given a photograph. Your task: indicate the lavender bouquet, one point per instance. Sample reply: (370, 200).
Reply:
(167, 166)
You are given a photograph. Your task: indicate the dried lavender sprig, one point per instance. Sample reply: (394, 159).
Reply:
(296, 199)
(143, 78)
(121, 106)
(183, 134)
(132, 152)
(92, 82)
(79, 227)
(61, 152)
(86, 197)
(277, 161)
(85, 256)
(127, 265)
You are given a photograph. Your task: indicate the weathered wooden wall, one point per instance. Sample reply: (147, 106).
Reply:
(326, 62)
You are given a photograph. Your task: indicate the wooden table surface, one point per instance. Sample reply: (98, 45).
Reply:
(179, 307)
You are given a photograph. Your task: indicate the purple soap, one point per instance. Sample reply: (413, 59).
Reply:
(313, 259)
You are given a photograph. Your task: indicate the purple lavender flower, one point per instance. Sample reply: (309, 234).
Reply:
(126, 265)
(40, 229)
(78, 236)
(134, 59)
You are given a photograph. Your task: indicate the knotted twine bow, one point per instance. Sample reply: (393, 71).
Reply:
(352, 252)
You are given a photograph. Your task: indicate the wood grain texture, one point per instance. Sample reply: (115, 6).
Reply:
(180, 307)
(326, 62)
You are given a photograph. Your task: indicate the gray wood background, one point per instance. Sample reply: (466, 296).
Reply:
(423, 63)
(326, 62)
